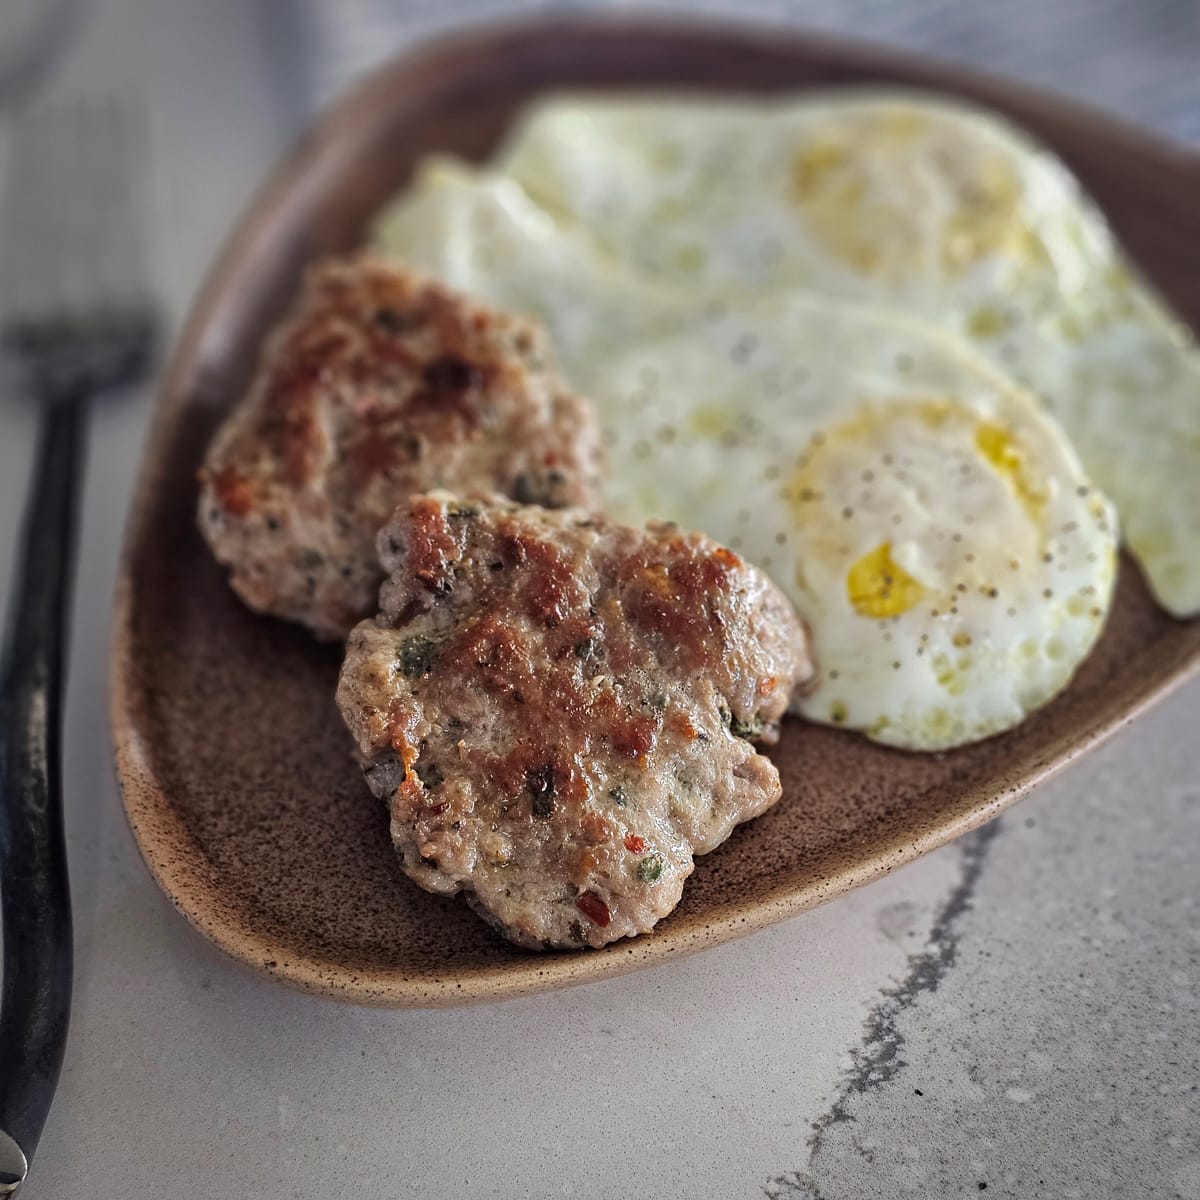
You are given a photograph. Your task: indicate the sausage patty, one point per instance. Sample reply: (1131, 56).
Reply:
(560, 710)
(380, 384)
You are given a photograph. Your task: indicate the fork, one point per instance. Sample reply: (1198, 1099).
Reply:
(76, 316)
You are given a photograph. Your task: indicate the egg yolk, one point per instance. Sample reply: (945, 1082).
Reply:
(999, 448)
(879, 587)
(858, 190)
(892, 506)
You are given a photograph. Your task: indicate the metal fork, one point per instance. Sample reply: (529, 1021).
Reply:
(76, 315)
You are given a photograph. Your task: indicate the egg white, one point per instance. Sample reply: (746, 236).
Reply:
(481, 232)
(929, 520)
(913, 202)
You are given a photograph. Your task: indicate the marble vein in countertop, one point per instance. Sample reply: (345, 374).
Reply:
(1060, 1058)
(879, 1059)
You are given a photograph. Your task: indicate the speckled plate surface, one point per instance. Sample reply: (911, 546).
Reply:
(235, 768)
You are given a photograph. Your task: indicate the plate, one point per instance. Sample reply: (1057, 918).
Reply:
(235, 768)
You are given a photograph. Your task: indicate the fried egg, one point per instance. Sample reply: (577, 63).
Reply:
(915, 203)
(929, 520)
(482, 233)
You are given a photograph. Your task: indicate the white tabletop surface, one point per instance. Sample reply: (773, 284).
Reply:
(1016, 1015)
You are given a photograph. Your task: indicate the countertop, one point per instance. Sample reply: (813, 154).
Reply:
(1016, 1014)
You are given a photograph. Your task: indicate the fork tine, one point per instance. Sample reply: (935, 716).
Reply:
(73, 214)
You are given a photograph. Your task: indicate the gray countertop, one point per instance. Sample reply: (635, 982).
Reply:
(1017, 1014)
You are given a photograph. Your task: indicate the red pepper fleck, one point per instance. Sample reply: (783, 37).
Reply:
(681, 723)
(726, 558)
(594, 909)
(437, 809)
(767, 684)
(634, 844)
(233, 492)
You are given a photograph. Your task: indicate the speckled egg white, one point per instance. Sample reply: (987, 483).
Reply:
(914, 202)
(928, 519)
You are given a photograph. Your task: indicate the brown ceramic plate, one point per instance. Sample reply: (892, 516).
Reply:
(235, 768)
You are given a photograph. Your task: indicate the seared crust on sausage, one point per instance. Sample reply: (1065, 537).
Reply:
(381, 383)
(560, 710)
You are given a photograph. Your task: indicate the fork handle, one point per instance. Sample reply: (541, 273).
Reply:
(35, 903)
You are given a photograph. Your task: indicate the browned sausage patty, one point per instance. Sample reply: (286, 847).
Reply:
(380, 384)
(560, 709)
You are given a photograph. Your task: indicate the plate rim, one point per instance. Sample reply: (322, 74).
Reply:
(145, 801)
